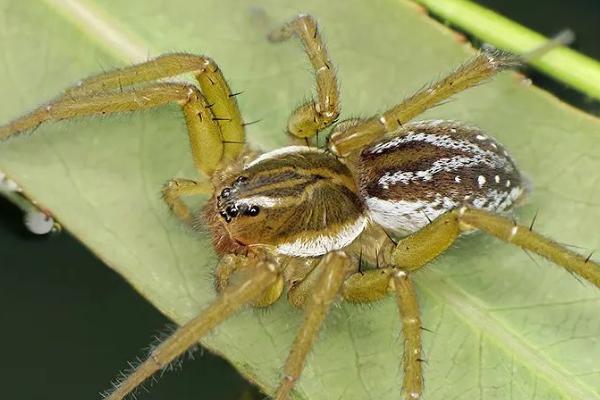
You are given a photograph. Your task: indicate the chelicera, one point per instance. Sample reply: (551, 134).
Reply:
(351, 221)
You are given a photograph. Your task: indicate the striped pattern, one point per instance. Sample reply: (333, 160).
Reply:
(429, 167)
(307, 201)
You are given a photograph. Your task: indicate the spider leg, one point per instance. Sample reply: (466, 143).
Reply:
(373, 285)
(208, 74)
(316, 115)
(367, 286)
(210, 78)
(231, 267)
(418, 249)
(421, 247)
(204, 132)
(176, 188)
(302, 287)
(334, 269)
(406, 298)
(347, 138)
(263, 275)
(505, 229)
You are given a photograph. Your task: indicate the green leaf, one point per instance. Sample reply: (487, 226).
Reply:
(504, 325)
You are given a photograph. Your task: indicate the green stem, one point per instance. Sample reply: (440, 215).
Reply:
(563, 64)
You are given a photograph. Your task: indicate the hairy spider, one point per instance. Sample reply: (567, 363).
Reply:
(353, 220)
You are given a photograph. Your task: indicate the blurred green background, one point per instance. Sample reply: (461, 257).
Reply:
(55, 288)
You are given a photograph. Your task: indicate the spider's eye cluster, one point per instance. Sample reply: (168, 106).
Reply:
(230, 207)
(233, 210)
(253, 211)
(225, 193)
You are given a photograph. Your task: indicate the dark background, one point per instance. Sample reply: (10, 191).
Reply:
(75, 314)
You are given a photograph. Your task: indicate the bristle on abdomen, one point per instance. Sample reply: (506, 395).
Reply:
(429, 167)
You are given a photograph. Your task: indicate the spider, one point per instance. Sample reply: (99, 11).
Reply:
(352, 221)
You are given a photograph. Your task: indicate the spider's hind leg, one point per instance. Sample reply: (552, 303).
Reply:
(348, 138)
(522, 236)
(418, 249)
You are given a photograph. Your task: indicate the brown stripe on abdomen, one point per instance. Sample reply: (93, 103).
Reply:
(429, 167)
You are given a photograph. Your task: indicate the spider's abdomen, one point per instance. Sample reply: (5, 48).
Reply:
(430, 167)
(302, 201)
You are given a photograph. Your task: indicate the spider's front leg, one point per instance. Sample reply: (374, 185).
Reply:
(316, 115)
(177, 188)
(256, 279)
(213, 118)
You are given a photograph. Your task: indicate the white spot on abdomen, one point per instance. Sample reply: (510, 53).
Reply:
(481, 180)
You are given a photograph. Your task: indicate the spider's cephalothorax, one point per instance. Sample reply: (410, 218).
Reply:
(300, 201)
(306, 219)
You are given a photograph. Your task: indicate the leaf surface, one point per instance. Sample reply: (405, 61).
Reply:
(503, 326)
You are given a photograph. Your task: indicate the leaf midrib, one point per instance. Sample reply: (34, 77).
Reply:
(124, 45)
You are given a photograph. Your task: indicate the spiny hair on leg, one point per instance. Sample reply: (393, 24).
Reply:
(176, 364)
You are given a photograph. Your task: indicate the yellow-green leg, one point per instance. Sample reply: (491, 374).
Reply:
(408, 306)
(177, 188)
(367, 286)
(204, 132)
(233, 298)
(423, 246)
(116, 86)
(373, 285)
(303, 286)
(313, 116)
(522, 236)
(210, 78)
(347, 138)
(418, 249)
(334, 268)
(233, 267)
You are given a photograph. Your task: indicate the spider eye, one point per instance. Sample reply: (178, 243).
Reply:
(253, 211)
(226, 192)
(225, 216)
(231, 211)
(241, 179)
